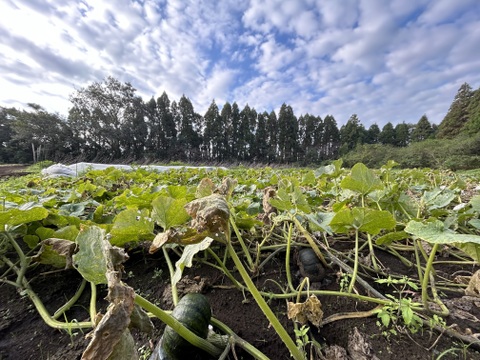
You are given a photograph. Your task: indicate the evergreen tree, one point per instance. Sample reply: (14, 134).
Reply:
(351, 134)
(458, 114)
(373, 134)
(44, 134)
(387, 136)
(472, 127)
(246, 135)
(188, 128)
(234, 132)
(226, 115)
(214, 135)
(260, 149)
(156, 135)
(423, 130)
(310, 137)
(169, 144)
(287, 135)
(136, 130)
(272, 137)
(402, 135)
(331, 138)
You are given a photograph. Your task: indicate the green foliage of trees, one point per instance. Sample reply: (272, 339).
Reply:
(352, 134)
(109, 122)
(458, 114)
(423, 130)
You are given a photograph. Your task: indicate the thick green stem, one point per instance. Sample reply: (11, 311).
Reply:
(177, 326)
(171, 270)
(295, 352)
(287, 259)
(44, 314)
(70, 302)
(426, 276)
(24, 260)
(93, 301)
(372, 254)
(355, 264)
(242, 243)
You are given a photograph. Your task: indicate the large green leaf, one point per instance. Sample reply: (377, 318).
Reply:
(169, 212)
(130, 226)
(435, 232)
(475, 202)
(438, 198)
(362, 180)
(362, 219)
(290, 197)
(90, 260)
(14, 217)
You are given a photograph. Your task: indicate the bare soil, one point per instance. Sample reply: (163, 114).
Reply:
(24, 335)
(13, 170)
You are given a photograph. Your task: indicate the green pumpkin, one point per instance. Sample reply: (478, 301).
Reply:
(194, 312)
(310, 265)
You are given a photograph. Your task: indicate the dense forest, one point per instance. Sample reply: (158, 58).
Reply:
(108, 122)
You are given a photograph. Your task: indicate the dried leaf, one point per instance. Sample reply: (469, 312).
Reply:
(310, 310)
(209, 213)
(110, 339)
(473, 288)
(227, 187)
(56, 252)
(182, 236)
(358, 346)
(206, 187)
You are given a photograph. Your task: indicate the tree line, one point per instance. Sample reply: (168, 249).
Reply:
(108, 121)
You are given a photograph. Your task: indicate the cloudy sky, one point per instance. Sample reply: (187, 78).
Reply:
(383, 60)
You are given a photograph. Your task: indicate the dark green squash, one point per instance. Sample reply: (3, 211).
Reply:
(310, 265)
(194, 312)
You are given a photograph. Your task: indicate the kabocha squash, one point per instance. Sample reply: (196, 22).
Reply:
(310, 265)
(194, 312)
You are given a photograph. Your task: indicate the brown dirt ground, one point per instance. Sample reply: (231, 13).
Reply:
(12, 170)
(24, 335)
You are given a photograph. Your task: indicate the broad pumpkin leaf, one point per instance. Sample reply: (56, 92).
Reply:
(131, 225)
(90, 260)
(435, 232)
(362, 219)
(14, 217)
(438, 198)
(389, 238)
(320, 221)
(169, 212)
(67, 232)
(362, 180)
(475, 202)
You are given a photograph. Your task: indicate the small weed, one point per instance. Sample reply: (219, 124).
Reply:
(301, 336)
(157, 273)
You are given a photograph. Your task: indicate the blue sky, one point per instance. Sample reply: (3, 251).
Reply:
(383, 60)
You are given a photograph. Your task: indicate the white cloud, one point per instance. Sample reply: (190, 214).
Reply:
(385, 61)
